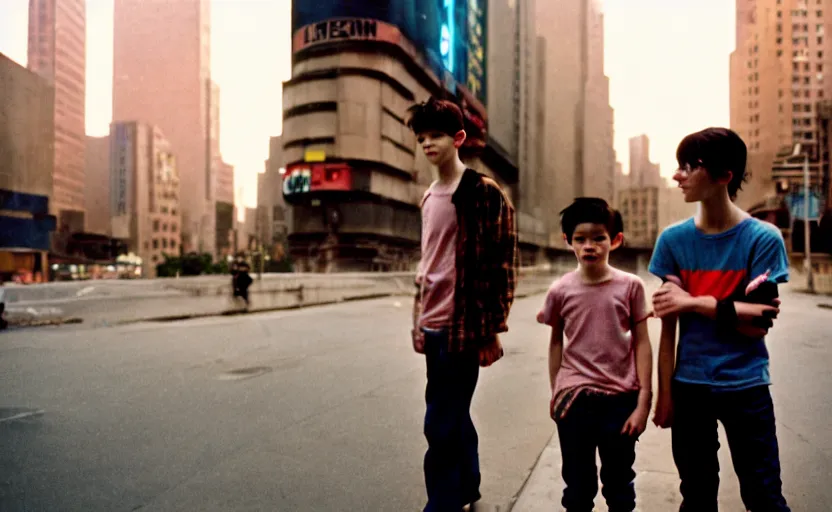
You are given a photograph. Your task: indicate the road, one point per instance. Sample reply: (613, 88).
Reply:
(154, 417)
(148, 417)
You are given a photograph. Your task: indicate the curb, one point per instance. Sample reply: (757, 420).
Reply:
(241, 312)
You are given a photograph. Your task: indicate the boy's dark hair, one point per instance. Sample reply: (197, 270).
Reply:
(435, 115)
(719, 151)
(591, 210)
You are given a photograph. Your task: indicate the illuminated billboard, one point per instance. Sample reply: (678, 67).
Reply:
(451, 34)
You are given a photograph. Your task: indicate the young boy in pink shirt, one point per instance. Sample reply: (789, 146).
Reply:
(601, 377)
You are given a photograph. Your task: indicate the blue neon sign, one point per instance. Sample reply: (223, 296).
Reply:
(446, 37)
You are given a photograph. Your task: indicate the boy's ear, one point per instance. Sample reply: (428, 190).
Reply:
(617, 242)
(459, 138)
(566, 239)
(725, 179)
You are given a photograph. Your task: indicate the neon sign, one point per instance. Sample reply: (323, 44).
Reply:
(446, 37)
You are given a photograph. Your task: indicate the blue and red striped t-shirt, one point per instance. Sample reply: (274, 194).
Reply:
(720, 265)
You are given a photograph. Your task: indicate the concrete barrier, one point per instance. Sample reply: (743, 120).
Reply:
(101, 303)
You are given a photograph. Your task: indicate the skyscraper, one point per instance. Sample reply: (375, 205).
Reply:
(162, 76)
(577, 119)
(57, 46)
(777, 80)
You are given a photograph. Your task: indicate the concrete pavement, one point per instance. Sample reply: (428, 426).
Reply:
(801, 351)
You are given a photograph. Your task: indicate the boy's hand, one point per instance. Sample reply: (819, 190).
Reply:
(552, 405)
(756, 319)
(490, 353)
(637, 422)
(418, 340)
(663, 416)
(671, 299)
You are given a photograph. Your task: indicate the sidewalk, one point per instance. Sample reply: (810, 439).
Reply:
(657, 483)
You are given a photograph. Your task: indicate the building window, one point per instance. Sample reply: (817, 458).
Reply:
(155, 243)
(173, 244)
(173, 228)
(820, 93)
(154, 259)
(795, 66)
(820, 39)
(779, 13)
(820, 68)
(807, 80)
(807, 67)
(780, 93)
(820, 14)
(780, 108)
(779, 40)
(146, 246)
(779, 53)
(155, 226)
(164, 243)
(165, 227)
(807, 108)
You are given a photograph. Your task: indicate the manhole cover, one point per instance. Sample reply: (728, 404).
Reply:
(245, 373)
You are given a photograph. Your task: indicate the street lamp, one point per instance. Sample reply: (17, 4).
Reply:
(807, 249)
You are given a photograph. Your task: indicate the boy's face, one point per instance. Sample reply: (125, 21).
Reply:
(592, 244)
(697, 185)
(440, 147)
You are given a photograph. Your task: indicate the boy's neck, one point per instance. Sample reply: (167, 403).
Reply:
(719, 214)
(450, 171)
(595, 275)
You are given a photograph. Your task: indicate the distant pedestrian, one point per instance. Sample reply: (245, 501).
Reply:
(241, 281)
(721, 270)
(601, 378)
(465, 289)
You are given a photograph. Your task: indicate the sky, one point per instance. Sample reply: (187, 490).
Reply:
(667, 62)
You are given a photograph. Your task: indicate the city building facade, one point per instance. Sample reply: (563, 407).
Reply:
(97, 189)
(145, 193)
(778, 80)
(57, 52)
(272, 222)
(647, 211)
(27, 153)
(162, 76)
(354, 173)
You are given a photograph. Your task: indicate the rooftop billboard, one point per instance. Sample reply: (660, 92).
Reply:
(451, 34)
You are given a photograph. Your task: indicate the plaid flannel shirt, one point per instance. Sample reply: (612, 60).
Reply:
(486, 263)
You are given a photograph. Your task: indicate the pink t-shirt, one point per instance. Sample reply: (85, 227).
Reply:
(437, 269)
(598, 320)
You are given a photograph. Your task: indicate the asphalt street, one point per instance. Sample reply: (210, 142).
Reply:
(320, 409)
(314, 409)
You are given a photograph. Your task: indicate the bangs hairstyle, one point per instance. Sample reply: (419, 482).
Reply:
(719, 151)
(590, 210)
(435, 116)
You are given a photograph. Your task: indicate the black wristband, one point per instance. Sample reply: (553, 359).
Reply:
(726, 315)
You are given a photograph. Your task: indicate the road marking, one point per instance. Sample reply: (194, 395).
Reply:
(23, 415)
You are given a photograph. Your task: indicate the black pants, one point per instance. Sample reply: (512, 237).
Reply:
(594, 421)
(452, 468)
(748, 418)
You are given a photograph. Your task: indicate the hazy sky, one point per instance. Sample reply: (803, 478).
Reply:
(667, 62)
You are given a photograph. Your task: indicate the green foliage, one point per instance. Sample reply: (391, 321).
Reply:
(191, 264)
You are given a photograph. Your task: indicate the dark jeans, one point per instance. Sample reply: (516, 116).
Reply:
(452, 468)
(748, 418)
(594, 421)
